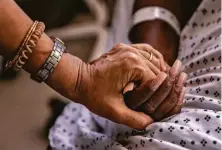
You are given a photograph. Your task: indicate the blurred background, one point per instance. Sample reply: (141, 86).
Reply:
(27, 114)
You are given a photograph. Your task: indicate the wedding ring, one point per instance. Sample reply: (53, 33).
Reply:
(151, 56)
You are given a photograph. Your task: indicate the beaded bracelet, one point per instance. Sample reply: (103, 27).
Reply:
(10, 63)
(29, 42)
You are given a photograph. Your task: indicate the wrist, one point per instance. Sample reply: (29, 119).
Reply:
(70, 75)
(39, 55)
(158, 34)
(70, 78)
(64, 77)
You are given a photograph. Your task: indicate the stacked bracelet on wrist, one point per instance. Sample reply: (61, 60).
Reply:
(28, 44)
(26, 47)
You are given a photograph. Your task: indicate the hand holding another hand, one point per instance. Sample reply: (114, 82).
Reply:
(155, 93)
(104, 84)
(165, 100)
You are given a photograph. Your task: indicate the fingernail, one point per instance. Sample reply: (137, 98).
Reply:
(182, 79)
(175, 69)
(128, 87)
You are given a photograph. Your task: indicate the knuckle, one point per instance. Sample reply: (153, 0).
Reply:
(159, 55)
(133, 50)
(118, 46)
(129, 49)
(168, 83)
(149, 108)
(139, 70)
(174, 99)
(147, 46)
(131, 58)
(177, 90)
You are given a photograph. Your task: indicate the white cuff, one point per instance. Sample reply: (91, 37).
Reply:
(153, 13)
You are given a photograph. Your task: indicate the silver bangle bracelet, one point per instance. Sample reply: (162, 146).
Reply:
(153, 13)
(50, 64)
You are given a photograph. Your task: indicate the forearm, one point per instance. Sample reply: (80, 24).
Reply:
(182, 9)
(158, 33)
(13, 26)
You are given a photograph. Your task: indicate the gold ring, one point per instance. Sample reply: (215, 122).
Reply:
(151, 56)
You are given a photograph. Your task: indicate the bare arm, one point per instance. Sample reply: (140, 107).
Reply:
(88, 83)
(13, 26)
(158, 33)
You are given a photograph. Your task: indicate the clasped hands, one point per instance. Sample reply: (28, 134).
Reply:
(126, 87)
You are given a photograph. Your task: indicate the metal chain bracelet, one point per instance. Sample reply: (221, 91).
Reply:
(50, 64)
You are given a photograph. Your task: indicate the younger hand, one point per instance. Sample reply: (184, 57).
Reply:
(165, 99)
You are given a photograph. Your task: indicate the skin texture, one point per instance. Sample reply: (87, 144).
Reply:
(163, 99)
(158, 33)
(162, 37)
(171, 100)
(162, 92)
(98, 85)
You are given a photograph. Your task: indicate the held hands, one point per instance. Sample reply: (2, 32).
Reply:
(155, 94)
(163, 101)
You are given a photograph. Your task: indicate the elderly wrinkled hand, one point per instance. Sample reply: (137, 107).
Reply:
(106, 77)
(103, 83)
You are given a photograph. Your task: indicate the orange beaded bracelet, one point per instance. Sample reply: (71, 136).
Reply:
(25, 49)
